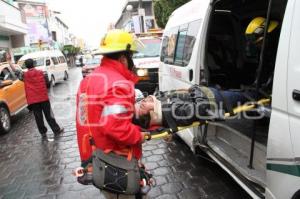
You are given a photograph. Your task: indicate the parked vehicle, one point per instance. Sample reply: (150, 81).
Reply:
(146, 63)
(51, 62)
(90, 65)
(80, 60)
(205, 42)
(12, 97)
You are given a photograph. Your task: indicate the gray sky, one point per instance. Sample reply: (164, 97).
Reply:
(88, 19)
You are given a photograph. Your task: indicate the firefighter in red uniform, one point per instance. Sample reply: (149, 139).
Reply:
(105, 102)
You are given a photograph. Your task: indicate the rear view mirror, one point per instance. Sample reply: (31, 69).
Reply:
(5, 83)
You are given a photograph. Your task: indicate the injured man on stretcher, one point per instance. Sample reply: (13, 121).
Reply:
(183, 107)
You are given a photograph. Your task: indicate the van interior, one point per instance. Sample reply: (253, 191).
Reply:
(232, 62)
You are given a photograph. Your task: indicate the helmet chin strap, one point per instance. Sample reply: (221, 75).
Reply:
(130, 63)
(129, 58)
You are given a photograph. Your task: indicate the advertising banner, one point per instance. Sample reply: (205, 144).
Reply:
(36, 18)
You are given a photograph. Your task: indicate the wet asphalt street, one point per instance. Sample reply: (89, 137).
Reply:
(31, 168)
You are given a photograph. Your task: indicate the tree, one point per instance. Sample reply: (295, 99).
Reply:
(164, 8)
(70, 52)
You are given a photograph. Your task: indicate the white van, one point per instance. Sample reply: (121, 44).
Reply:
(52, 62)
(146, 63)
(205, 43)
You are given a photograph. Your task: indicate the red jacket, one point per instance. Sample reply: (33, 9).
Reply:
(109, 93)
(35, 86)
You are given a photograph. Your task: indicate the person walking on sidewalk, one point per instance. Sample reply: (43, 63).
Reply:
(38, 100)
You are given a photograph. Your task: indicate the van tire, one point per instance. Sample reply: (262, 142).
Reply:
(66, 77)
(52, 81)
(5, 120)
(297, 195)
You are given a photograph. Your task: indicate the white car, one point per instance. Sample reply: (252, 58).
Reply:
(52, 62)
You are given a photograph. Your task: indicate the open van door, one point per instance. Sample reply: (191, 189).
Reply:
(180, 51)
(293, 90)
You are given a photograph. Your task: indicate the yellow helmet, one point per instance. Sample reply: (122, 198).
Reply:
(257, 25)
(118, 41)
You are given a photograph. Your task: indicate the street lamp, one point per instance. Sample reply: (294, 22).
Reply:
(129, 8)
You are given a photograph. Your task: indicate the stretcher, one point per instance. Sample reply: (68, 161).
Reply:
(167, 132)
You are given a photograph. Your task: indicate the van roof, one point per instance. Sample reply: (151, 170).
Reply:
(44, 53)
(191, 11)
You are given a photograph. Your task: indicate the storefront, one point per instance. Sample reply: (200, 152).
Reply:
(12, 30)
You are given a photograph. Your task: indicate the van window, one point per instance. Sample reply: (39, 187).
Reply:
(180, 47)
(190, 40)
(177, 47)
(37, 62)
(168, 46)
(151, 48)
(55, 61)
(62, 59)
(48, 62)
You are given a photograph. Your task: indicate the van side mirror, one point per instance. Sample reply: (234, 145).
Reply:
(48, 62)
(5, 83)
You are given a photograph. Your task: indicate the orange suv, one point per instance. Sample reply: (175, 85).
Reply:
(12, 96)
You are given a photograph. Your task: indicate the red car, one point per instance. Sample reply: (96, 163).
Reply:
(90, 65)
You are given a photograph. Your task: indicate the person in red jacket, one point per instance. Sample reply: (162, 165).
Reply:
(105, 102)
(38, 100)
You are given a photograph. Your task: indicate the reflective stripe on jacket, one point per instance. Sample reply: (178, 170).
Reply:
(35, 86)
(105, 105)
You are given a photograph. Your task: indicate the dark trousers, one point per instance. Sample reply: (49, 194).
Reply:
(38, 110)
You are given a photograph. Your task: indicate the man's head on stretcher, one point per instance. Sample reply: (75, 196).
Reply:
(148, 112)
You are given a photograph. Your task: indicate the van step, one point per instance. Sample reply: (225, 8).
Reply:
(238, 160)
(239, 142)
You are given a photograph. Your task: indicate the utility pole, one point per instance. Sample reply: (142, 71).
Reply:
(142, 19)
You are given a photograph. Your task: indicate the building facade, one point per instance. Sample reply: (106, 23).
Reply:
(12, 29)
(46, 30)
(60, 34)
(137, 16)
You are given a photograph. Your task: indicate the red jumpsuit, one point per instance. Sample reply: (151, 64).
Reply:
(105, 106)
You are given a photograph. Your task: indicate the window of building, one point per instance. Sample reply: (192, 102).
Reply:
(54, 37)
